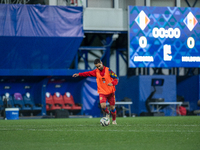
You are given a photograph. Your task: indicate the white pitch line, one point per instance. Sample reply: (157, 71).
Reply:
(185, 131)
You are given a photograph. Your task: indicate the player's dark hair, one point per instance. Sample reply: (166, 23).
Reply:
(96, 61)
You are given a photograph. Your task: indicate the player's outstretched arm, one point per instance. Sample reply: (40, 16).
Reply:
(75, 75)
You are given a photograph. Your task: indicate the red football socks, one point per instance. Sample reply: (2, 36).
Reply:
(106, 110)
(113, 113)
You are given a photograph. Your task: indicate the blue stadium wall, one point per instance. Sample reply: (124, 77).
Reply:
(189, 88)
(138, 88)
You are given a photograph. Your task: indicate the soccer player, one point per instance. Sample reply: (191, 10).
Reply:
(106, 81)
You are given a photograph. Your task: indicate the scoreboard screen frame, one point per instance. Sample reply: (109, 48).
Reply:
(163, 37)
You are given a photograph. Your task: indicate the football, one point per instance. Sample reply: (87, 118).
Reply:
(104, 121)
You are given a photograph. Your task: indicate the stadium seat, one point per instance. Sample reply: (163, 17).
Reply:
(58, 99)
(19, 103)
(9, 98)
(3, 103)
(50, 103)
(69, 100)
(28, 101)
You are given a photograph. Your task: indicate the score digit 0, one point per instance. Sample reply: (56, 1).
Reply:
(143, 42)
(190, 42)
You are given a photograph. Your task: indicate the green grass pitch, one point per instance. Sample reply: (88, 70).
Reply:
(139, 133)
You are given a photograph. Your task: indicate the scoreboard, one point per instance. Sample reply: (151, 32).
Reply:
(163, 37)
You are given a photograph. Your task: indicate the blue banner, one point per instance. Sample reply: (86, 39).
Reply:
(90, 98)
(38, 38)
(41, 20)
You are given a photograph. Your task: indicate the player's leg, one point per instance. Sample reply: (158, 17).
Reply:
(102, 99)
(111, 100)
(113, 113)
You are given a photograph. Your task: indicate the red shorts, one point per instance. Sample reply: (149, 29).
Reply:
(110, 97)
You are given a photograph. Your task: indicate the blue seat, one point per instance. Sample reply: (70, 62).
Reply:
(19, 103)
(28, 100)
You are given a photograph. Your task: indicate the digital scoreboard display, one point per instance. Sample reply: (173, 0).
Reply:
(164, 37)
